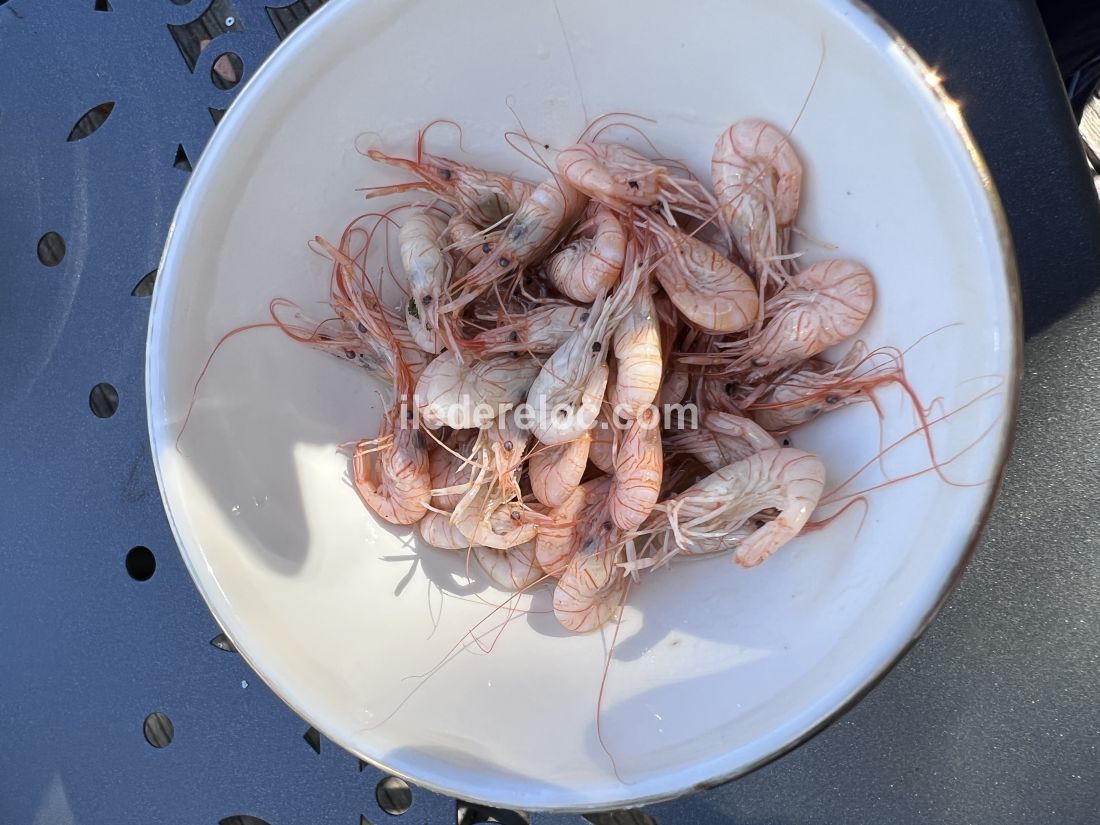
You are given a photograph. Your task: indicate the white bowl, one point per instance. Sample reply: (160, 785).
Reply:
(717, 669)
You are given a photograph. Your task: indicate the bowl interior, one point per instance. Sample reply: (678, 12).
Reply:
(715, 667)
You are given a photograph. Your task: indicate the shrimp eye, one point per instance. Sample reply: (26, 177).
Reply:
(445, 174)
(515, 354)
(503, 262)
(508, 445)
(786, 442)
(361, 327)
(514, 336)
(759, 362)
(486, 247)
(515, 515)
(731, 387)
(759, 523)
(426, 300)
(633, 184)
(606, 525)
(349, 353)
(832, 399)
(585, 316)
(597, 346)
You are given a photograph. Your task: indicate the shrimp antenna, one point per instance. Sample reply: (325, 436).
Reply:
(206, 366)
(534, 144)
(423, 133)
(584, 136)
(813, 86)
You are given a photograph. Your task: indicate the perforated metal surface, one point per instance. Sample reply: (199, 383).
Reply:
(119, 700)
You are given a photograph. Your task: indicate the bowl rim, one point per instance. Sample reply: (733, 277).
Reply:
(909, 60)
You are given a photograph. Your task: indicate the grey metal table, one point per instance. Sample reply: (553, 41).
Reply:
(104, 106)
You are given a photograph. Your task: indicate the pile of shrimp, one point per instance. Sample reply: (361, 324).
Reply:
(549, 331)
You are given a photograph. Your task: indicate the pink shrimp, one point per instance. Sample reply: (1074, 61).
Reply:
(590, 265)
(621, 179)
(592, 584)
(559, 540)
(639, 367)
(538, 332)
(483, 197)
(535, 227)
(513, 569)
(639, 469)
(708, 515)
(556, 471)
(758, 183)
(722, 439)
(710, 290)
(391, 472)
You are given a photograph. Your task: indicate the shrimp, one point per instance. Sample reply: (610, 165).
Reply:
(706, 516)
(592, 584)
(817, 387)
(483, 197)
(556, 471)
(536, 226)
(639, 468)
(590, 265)
(490, 522)
(604, 442)
(382, 336)
(621, 179)
(566, 396)
(438, 530)
(461, 394)
(823, 305)
(507, 441)
(513, 569)
(471, 242)
(559, 540)
(674, 388)
(538, 332)
(428, 269)
(722, 439)
(639, 367)
(710, 290)
(757, 180)
(451, 472)
(391, 472)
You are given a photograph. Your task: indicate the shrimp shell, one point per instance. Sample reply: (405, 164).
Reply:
(556, 471)
(823, 305)
(458, 394)
(705, 516)
(547, 214)
(513, 569)
(757, 180)
(439, 532)
(484, 198)
(639, 366)
(591, 585)
(558, 541)
(639, 469)
(538, 332)
(710, 290)
(722, 439)
(618, 177)
(588, 266)
(428, 269)
(393, 479)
